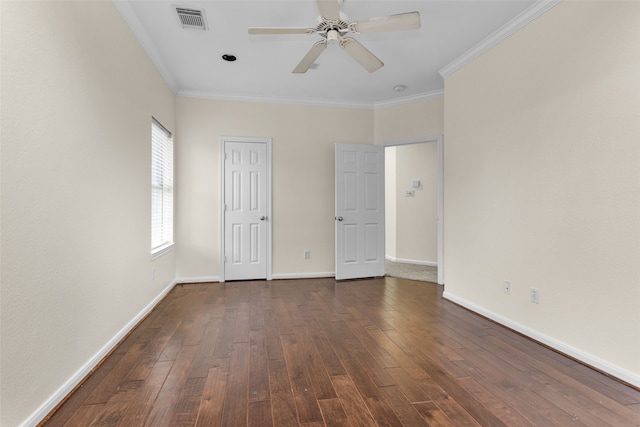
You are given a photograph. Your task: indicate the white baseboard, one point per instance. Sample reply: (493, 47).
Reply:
(412, 261)
(72, 382)
(207, 279)
(304, 275)
(560, 346)
(204, 279)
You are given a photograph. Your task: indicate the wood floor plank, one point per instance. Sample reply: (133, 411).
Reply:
(405, 361)
(330, 359)
(404, 410)
(186, 411)
(204, 356)
(79, 397)
(225, 338)
(260, 414)
(351, 350)
(236, 393)
(164, 405)
(87, 415)
(352, 401)
(241, 333)
(320, 352)
(434, 416)
(303, 391)
(272, 336)
(360, 329)
(503, 411)
(333, 413)
(211, 403)
(409, 387)
(283, 406)
(142, 404)
(258, 368)
(314, 364)
(111, 382)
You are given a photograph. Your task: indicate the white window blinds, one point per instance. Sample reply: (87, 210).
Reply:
(161, 186)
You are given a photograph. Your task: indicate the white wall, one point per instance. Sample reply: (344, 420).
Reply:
(304, 138)
(542, 174)
(78, 93)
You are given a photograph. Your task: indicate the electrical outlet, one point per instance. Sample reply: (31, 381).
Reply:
(506, 287)
(307, 254)
(535, 295)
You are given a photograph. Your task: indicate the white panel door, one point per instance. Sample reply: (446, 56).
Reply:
(245, 211)
(359, 211)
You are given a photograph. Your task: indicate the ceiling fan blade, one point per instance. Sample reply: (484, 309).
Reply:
(402, 21)
(280, 30)
(310, 57)
(361, 54)
(329, 9)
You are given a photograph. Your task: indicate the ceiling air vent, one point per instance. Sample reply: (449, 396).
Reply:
(192, 18)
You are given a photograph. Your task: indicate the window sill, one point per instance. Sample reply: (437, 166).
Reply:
(158, 252)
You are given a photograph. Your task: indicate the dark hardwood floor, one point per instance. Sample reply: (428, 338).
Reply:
(385, 352)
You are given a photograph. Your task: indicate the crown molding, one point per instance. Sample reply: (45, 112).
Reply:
(528, 15)
(143, 38)
(314, 102)
(410, 99)
(289, 101)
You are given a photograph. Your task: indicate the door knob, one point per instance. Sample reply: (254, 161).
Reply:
(340, 218)
(262, 218)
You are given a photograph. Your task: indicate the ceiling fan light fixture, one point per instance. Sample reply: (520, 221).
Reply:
(333, 36)
(334, 28)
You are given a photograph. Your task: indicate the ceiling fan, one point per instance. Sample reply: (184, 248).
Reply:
(334, 26)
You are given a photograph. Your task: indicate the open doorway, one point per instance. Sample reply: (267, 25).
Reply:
(413, 195)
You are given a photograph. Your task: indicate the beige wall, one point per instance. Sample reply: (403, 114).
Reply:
(304, 138)
(409, 121)
(78, 93)
(416, 217)
(542, 173)
(541, 163)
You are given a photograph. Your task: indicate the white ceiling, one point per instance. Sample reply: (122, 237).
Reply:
(190, 60)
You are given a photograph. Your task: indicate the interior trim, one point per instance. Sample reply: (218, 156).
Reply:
(528, 15)
(76, 379)
(559, 346)
(439, 140)
(303, 275)
(203, 279)
(310, 102)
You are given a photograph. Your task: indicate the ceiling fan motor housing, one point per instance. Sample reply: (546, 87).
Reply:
(334, 26)
(340, 25)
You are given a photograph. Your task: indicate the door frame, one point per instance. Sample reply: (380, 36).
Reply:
(439, 140)
(223, 143)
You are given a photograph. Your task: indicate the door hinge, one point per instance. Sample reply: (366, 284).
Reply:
(225, 259)
(225, 156)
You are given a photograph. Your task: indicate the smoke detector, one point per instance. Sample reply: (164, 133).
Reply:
(191, 18)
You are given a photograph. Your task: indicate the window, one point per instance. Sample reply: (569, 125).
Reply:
(161, 188)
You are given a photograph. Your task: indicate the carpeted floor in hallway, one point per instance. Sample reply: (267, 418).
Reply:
(424, 273)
